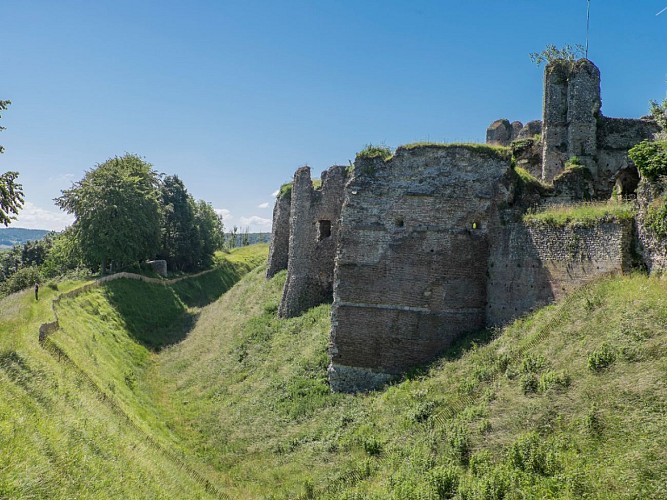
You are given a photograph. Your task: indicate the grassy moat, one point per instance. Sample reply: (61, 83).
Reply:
(198, 390)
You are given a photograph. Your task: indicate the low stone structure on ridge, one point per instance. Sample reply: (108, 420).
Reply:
(419, 248)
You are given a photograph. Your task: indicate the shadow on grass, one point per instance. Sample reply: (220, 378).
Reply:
(154, 316)
(455, 351)
(205, 289)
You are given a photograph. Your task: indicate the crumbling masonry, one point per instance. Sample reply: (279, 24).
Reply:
(427, 245)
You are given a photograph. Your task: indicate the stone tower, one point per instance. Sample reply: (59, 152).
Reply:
(571, 111)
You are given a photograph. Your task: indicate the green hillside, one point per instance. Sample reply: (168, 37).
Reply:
(10, 236)
(187, 391)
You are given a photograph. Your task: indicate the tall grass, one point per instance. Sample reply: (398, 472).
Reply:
(568, 402)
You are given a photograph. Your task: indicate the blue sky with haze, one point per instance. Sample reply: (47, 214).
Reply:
(233, 96)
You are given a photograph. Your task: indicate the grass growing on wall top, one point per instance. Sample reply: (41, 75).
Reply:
(372, 151)
(497, 151)
(581, 213)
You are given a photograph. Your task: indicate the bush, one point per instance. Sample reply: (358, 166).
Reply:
(601, 358)
(656, 218)
(650, 158)
(372, 151)
(25, 277)
(530, 453)
(444, 480)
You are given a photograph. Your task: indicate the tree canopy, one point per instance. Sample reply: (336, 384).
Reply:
(117, 212)
(11, 192)
(191, 230)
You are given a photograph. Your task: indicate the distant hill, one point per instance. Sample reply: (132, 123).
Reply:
(10, 236)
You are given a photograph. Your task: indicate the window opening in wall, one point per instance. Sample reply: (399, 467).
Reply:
(323, 229)
(475, 225)
(399, 222)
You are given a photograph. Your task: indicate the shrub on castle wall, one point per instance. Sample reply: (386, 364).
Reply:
(650, 158)
(656, 217)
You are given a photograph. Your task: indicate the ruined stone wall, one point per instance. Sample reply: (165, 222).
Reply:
(313, 237)
(652, 249)
(412, 261)
(615, 137)
(570, 110)
(532, 265)
(279, 249)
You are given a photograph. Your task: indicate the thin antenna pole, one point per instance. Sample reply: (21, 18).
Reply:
(588, 24)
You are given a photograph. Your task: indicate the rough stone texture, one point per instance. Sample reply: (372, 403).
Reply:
(574, 126)
(279, 249)
(528, 155)
(159, 266)
(652, 249)
(412, 261)
(499, 133)
(572, 185)
(571, 107)
(615, 137)
(516, 130)
(313, 237)
(533, 265)
(530, 130)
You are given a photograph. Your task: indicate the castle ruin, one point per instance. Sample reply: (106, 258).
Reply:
(420, 248)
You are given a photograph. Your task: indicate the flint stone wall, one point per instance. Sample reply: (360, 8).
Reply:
(652, 249)
(313, 237)
(533, 265)
(279, 249)
(412, 260)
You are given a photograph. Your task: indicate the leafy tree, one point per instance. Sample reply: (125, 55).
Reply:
(180, 241)
(117, 212)
(64, 254)
(11, 192)
(210, 231)
(552, 53)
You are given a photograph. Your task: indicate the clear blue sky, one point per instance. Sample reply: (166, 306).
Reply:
(233, 96)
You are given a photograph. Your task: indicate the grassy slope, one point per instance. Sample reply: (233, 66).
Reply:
(87, 428)
(522, 413)
(243, 398)
(58, 439)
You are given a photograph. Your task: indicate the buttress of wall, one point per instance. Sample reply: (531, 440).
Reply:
(279, 249)
(533, 265)
(411, 265)
(313, 237)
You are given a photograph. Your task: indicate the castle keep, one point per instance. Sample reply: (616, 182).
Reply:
(419, 248)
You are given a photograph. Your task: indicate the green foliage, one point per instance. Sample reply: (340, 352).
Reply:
(552, 53)
(532, 453)
(372, 151)
(650, 158)
(25, 277)
(659, 112)
(601, 358)
(526, 183)
(117, 212)
(586, 214)
(656, 217)
(573, 161)
(11, 192)
(243, 401)
(285, 190)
